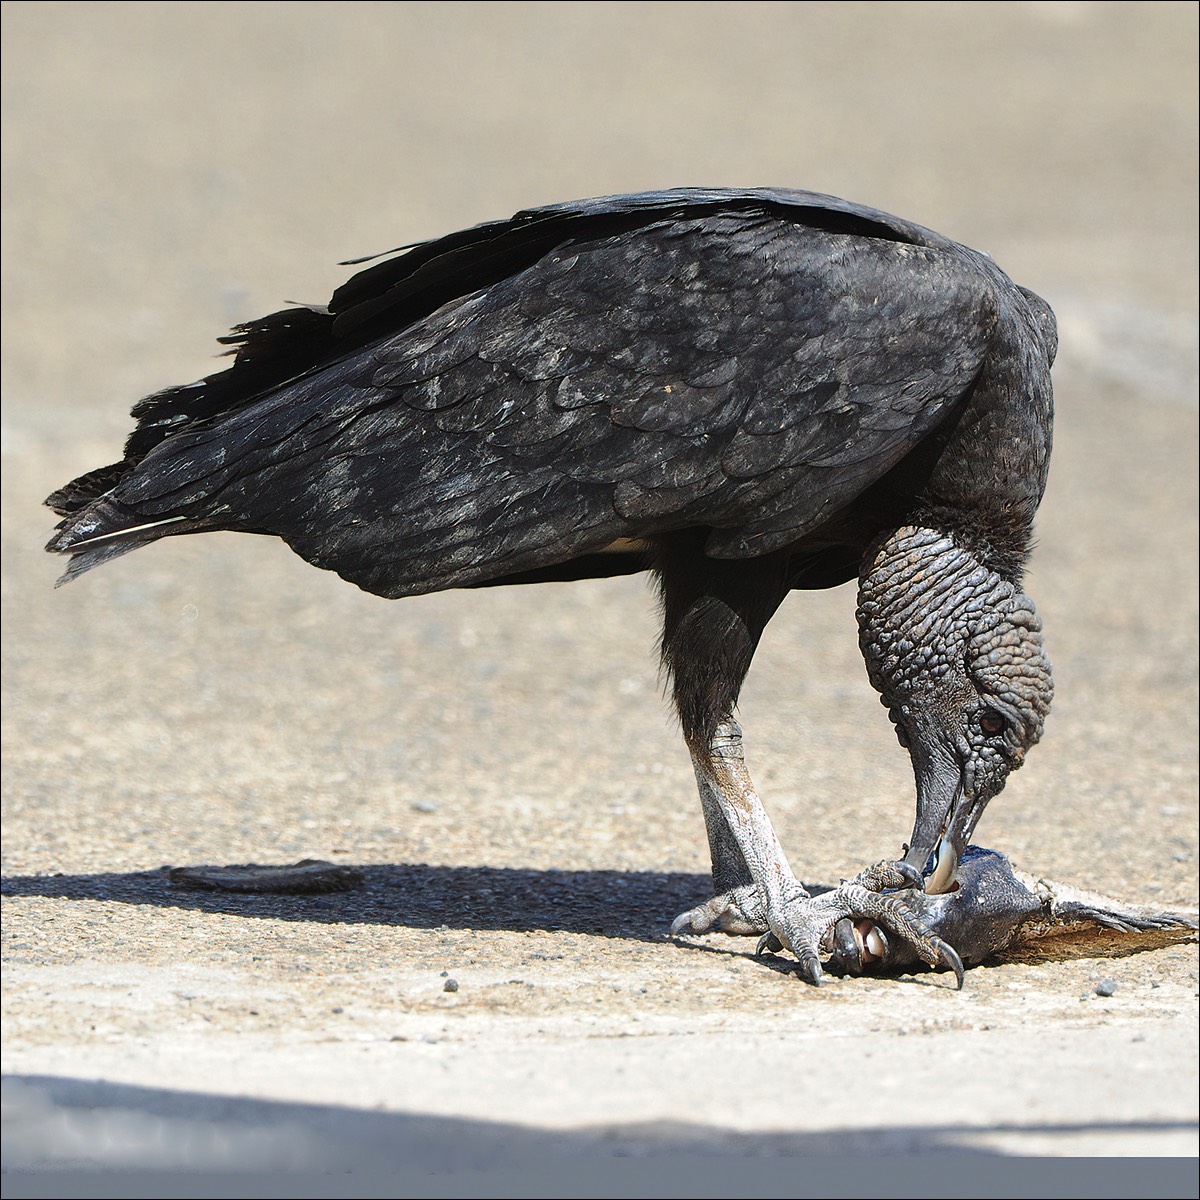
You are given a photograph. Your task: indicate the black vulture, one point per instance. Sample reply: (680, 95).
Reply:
(744, 392)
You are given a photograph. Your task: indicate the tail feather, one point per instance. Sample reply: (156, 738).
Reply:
(81, 492)
(105, 529)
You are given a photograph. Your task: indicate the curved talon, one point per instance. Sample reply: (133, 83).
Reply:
(683, 924)
(767, 944)
(948, 957)
(847, 947)
(810, 967)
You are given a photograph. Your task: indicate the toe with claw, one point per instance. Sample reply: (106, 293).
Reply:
(741, 911)
(810, 926)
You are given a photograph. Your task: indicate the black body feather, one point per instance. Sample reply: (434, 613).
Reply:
(739, 389)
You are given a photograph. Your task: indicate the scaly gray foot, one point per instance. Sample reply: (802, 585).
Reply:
(804, 924)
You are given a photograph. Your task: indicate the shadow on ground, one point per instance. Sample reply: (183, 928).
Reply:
(57, 1129)
(631, 905)
(636, 905)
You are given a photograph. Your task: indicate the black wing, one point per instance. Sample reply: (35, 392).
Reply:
(719, 365)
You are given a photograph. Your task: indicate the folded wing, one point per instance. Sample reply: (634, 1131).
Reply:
(729, 367)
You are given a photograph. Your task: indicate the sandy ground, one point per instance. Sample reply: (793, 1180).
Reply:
(502, 764)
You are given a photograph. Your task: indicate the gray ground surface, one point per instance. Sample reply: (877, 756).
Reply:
(502, 763)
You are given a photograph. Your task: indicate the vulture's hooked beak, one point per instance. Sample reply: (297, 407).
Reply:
(947, 813)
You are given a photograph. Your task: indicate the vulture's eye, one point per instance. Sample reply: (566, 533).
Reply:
(992, 722)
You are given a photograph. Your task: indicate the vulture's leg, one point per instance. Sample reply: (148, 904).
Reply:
(713, 616)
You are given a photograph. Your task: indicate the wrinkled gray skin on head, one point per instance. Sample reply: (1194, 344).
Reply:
(955, 651)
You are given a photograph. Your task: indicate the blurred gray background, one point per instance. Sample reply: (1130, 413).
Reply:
(171, 169)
